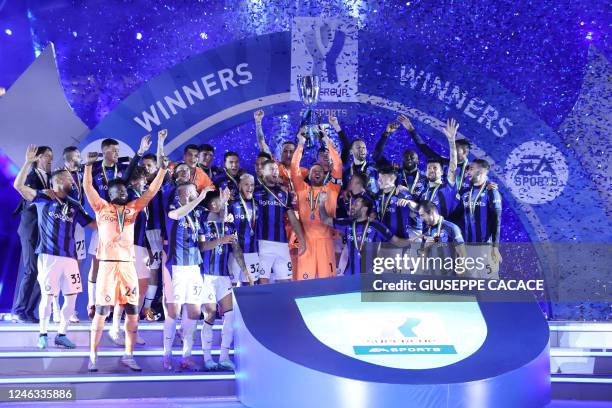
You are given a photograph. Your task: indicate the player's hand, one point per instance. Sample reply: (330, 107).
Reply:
(496, 255)
(228, 239)
(301, 248)
(322, 196)
(491, 185)
(403, 119)
(258, 115)
(301, 136)
(392, 127)
(205, 191)
(162, 134)
(333, 120)
(402, 202)
(91, 158)
(226, 194)
(50, 193)
(452, 126)
(145, 144)
(31, 153)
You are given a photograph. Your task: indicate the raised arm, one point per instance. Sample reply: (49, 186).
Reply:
(148, 195)
(334, 156)
(296, 174)
(419, 142)
(27, 192)
(161, 138)
(190, 206)
(145, 144)
(263, 146)
(379, 149)
(95, 201)
(325, 218)
(345, 143)
(451, 133)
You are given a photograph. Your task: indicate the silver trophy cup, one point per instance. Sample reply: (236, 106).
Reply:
(308, 90)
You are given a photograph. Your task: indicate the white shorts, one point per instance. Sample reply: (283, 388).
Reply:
(93, 243)
(184, 286)
(275, 260)
(157, 246)
(216, 288)
(252, 263)
(141, 262)
(489, 269)
(58, 273)
(79, 238)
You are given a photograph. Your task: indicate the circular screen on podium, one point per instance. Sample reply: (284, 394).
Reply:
(433, 331)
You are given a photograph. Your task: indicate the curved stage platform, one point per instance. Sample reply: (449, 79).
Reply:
(316, 343)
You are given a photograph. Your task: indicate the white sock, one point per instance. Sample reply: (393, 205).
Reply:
(56, 306)
(207, 336)
(150, 295)
(169, 333)
(117, 314)
(67, 311)
(44, 311)
(227, 334)
(91, 292)
(188, 325)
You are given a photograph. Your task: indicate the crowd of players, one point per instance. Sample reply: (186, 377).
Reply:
(196, 230)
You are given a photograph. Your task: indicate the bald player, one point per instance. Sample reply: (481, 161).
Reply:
(319, 260)
(117, 281)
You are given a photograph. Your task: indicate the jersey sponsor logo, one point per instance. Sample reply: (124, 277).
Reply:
(536, 172)
(60, 216)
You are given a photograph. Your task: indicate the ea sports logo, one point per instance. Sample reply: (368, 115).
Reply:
(536, 172)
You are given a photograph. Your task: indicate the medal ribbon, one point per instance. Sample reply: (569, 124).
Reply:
(363, 234)
(459, 180)
(121, 220)
(414, 182)
(472, 205)
(104, 172)
(275, 196)
(386, 201)
(250, 220)
(312, 202)
(435, 191)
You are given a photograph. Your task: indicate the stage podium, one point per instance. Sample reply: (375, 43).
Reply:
(317, 344)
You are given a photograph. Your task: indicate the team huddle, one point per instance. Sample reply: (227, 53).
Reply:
(196, 230)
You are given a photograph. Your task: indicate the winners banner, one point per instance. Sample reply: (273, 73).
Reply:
(543, 185)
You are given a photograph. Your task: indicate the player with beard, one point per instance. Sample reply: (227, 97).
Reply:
(117, 279)
(138, 182)
(408, 174)
(58, 268)
(182, 280)
(103, 173)
(400, 220)
(441, 240)
(443, 193)
(191, 156)
(27, 289)
(219, 237)
(206, 157)
(319, 260)
(355, 154)
(462, 147)
(245, 215)
(259, 162)
(231, 174)
(275, 209)
(361, 233)
(286, 153)
(481, 208)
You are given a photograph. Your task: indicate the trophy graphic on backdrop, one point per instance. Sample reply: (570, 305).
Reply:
(308, 90)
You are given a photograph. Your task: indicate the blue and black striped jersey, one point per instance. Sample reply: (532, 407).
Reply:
(273, 203)
(215, 261)
(224, 180)
(56, 223)
(368, 168)
(140, 224)
(245, 223)
(400, 220)
(183, 236)
(102, 175)
(361, 238)
(159, 206)
(415, 182)
(444, 196)
(481, 211)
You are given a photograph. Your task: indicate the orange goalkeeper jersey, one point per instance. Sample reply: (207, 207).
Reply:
(116, 243)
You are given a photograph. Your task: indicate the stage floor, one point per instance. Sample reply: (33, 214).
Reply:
(233, 403)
